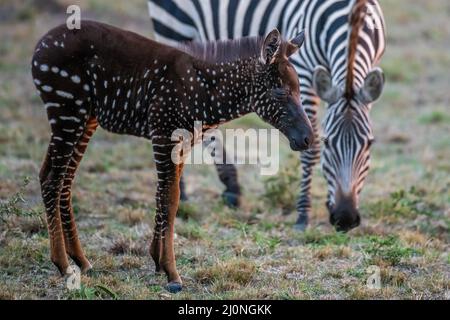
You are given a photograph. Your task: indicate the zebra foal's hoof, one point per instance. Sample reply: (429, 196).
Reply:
(231, 199)
(174, 287)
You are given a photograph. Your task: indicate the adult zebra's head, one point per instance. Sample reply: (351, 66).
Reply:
(349, 136)
(347, 126)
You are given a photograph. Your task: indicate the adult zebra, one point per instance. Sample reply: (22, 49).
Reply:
(337, 64)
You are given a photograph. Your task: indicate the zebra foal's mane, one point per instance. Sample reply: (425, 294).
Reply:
(224, 50)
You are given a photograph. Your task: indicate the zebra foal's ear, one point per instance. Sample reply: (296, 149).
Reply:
(295, 44)
(323, 85)
(271, 47)
(373, 86)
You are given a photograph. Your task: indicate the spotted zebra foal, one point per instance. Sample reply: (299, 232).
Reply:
(127, 84)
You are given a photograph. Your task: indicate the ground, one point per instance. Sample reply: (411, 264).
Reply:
(251, 253)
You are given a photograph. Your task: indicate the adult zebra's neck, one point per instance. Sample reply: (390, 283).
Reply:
(360, 49)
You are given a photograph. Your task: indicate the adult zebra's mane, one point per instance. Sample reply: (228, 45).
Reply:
(224, 50)
(356, 24)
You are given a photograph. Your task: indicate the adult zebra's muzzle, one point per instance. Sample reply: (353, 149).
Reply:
(344, 215)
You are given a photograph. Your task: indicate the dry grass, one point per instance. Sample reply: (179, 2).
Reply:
(251, 253)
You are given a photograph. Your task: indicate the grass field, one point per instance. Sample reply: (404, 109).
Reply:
(250, 253)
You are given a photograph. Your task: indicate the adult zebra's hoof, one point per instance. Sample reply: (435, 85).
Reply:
(183, 197)
(301, 224)
(174, 287)
(300, 227)
(231, 199)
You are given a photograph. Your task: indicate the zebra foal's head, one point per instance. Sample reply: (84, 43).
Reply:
(277, 74)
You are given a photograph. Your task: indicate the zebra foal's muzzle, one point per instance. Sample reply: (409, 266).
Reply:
(301, 137)
(295, 125)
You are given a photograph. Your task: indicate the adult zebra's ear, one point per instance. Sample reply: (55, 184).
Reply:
(271, 47)
(295, 44)
(372, 87)
(298, 39)
(323, 85)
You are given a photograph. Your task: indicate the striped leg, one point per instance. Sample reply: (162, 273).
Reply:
(167, 200)
(52, 176)
(228, 175)
(183, 195)
(308, 159)
(73, 246)
(49, 190)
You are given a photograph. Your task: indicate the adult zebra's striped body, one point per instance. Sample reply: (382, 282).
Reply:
(345, 40)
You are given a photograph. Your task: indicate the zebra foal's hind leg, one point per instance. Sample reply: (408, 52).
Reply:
(49, 188)
(52, 174)
(73, 245)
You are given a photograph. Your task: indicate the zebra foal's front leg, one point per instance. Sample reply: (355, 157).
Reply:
(167, 201)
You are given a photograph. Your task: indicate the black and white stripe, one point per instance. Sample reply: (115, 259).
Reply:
(347, 124)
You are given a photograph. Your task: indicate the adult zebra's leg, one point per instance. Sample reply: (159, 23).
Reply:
(228, 175)
(183, 195)
(73, 245)
(308, 160)
(167, 201)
